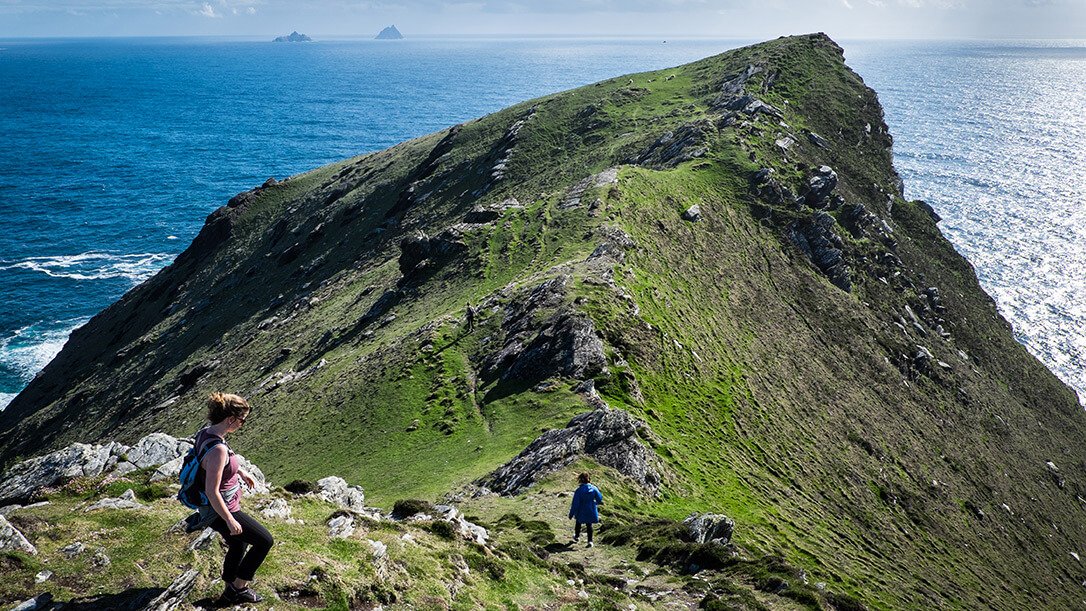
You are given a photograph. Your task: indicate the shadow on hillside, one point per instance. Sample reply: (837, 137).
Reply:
(132, 598)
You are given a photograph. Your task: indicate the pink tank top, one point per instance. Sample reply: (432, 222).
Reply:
(229, 473)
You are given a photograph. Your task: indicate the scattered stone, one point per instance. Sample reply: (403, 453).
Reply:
(414, 426)
(341, 526)
(277, 509)
(125, 501)
(203, 541)
(13, 540)
(175, 594)
(610, 436)
(817, 140)
(100, 559)
(73, 550)
(1052, 466)
(784, 143)
(466, 529)
(380, 550)
(692, 214)
(337, 491)
(709, 528)
(77, 460)
(43, 576)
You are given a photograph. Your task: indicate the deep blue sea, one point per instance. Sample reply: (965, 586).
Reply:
(113, 151)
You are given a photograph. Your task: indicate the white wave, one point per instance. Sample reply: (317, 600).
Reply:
(5, 399)
(94, 265)
(31, 348)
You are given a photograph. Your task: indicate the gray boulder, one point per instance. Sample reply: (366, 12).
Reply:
(277, 509)
(611, 437)
(73, 550)
(709, 528)
(125, 501)
(692, 214)
(337, 491)
(819, 188)
(341, 526)
(11, 540)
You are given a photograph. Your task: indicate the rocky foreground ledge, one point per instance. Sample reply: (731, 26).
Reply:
(85, 525)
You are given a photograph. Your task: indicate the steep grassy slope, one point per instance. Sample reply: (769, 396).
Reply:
(813, 358)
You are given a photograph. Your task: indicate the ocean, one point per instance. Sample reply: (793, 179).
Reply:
(113, 151)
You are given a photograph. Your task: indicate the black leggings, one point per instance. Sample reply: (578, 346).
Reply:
(239, 564)
(577, 530)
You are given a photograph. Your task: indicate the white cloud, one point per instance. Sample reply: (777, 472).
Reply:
(207, 11)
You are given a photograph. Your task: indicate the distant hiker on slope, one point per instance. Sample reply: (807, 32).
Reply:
(223, 478)
(469, 317)
(585, 501)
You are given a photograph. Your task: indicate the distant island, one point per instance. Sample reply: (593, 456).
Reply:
(390, 33)
(294, 37)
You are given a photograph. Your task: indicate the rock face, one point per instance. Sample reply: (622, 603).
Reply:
(13, 540)
(674, 147)
(815, 238)
(563, 343)
(709, 528)
(609, 436)
(389, 33)
(338, 492)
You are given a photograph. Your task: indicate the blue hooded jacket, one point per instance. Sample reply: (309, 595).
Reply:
(583, 507)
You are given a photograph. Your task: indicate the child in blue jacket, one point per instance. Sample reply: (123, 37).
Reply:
(585, 500)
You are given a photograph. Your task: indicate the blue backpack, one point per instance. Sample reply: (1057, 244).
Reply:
(192, 477)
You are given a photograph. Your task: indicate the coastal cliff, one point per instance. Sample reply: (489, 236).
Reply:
(704, 282)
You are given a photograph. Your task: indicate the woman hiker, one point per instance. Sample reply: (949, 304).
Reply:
(248, 542)
(583, 508)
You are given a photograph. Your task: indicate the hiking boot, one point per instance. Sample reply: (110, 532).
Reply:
(590, 544)
(244, 595)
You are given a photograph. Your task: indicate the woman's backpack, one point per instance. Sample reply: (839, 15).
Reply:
(192, 478)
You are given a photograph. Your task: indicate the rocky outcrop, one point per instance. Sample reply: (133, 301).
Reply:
(417, 248)
(674, 147)
(337, 491)
(818, 192)
(11, 540)
(22, 480)
(487, 213)
(469, 531)
(709, 528)
(573, 197)
(815, 238)
(543, 338)
(609, 436)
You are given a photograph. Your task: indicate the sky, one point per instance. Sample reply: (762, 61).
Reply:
(642, 18)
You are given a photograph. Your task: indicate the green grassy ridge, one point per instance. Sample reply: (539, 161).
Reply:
(777, 398)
